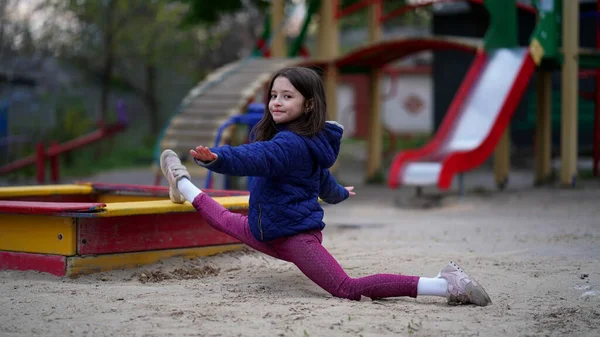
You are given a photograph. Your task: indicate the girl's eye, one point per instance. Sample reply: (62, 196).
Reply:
(288, 96)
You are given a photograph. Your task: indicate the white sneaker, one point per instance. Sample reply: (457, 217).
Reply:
(173, 170)
(462, 288)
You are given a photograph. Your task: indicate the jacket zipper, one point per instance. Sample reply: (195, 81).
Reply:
(260, 222)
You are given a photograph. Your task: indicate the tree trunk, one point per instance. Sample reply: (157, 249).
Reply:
(151, 100)
(2, 23)
(105, 90)
(107, 68)
(108, 60)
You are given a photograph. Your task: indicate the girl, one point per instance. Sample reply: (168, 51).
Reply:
(290, 158)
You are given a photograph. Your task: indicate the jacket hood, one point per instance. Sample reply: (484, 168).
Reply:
(325, 146)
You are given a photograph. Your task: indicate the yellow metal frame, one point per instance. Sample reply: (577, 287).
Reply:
(44, 190)
(112, 198)
(38, 234)
(165, 206)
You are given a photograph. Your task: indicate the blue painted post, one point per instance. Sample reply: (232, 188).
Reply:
(3, 127)
(122, 113)
(252, 116)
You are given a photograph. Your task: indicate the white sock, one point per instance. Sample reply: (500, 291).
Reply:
(189, 190)
(432, 287)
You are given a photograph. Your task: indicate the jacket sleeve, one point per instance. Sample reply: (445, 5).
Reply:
(329, 190)
(268, 158)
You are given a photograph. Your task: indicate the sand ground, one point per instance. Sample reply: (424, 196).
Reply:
(536, 251)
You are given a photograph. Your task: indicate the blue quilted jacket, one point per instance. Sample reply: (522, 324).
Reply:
(290, 173)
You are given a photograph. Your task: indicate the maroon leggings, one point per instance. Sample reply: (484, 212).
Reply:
(306, 252)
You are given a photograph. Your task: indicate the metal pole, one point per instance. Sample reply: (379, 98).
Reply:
(597, 99)
(570, 90)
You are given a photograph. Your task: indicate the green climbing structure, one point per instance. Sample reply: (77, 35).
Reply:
(313, 7)
(503, 28)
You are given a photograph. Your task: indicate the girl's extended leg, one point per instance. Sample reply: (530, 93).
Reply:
(233, 224)
(217, 216)
(307, 253)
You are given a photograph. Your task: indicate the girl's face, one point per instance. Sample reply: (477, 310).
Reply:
(286, 103)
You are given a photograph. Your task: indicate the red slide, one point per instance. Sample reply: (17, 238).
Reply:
(474, 122)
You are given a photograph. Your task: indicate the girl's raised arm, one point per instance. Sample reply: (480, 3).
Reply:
(269, 158)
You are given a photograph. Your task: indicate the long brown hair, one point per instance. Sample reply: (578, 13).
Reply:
(310, 85)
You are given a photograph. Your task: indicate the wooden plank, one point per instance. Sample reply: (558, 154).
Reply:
(146, 232)
(144, 207)
(115, 198)
(53, 264)
(48, 208)
(43, 190)
(109, 193)
(131, 188)
(84, 265)
(235, 203)
(57, 198)
(37, 234)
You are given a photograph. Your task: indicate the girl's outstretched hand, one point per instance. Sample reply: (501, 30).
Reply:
(203, 153)
(350, 189)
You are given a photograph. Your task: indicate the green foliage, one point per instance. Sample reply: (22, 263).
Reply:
(151, 34)
(86, 161)
(124, 45)
(403, 143)
(587, 174)
(378, 178)
(72, 120)
(208, 12)
(203, 12)
(137, 30)
(359, 18)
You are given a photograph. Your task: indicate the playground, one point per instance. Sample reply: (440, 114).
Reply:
(535, 251)
(110, 254)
